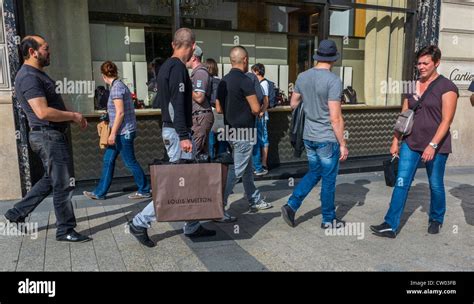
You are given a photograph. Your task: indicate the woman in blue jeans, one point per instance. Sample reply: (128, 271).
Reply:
(429, 142)
(123, 125)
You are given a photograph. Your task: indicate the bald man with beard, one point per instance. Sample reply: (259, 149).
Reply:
(237, 100)
(48, 119)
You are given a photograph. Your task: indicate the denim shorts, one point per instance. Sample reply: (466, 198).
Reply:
(262, 132)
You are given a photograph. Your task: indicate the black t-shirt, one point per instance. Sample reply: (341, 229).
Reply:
(175, 97)
(32, 83)
(232, 92)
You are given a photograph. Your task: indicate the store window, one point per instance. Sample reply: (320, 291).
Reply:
(283, 35)
(373, 44)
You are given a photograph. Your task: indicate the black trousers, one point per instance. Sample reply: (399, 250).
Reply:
(53, 149)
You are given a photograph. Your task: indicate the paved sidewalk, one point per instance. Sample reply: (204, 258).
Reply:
(261, 241)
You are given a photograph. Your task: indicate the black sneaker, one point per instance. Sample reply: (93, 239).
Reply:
(434, 227)
(288, 215)
(383, 230)
(141, 235)
(336, 223)
(201, 232)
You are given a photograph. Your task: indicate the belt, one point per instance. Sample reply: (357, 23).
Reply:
(49, 128)
(201, 112)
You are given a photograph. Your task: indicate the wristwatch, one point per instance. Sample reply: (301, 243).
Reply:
(434, 146)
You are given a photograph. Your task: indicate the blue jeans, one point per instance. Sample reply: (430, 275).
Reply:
(173, 148)
(323, 161)
(123, 146)
(216, 147)
(407, 166)
(242, 168)
(262, 142)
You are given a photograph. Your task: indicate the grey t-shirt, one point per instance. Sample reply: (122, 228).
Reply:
(317, 87)
(200, 78)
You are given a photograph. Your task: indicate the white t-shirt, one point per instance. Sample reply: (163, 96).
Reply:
(264, 85)
(265, 89)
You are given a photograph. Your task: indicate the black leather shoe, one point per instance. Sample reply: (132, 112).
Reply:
(12, 218)
(141, 235)
(18, 221)
(73, 237)
(383, 230)
(201, 232)
(288, 215)
(434, 227)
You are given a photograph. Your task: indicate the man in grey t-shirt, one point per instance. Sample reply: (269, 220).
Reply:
(318, 87)
(320, 91)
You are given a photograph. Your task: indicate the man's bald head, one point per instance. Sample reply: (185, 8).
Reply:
(30, 42)
(238, 54)
(184, 37)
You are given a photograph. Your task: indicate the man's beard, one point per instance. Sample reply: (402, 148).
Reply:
(44, 61)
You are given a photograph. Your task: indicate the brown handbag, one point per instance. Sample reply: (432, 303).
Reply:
(188, 192)
(104, 133)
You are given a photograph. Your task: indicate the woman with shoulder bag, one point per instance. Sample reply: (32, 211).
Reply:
(123, 126)
(428, 141)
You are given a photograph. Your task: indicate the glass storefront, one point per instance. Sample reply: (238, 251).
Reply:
(373, 37)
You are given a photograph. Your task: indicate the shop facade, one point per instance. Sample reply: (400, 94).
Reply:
(377, 40)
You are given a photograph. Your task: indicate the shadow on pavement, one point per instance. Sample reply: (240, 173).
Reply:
(465, 193)
(419, 196)
(356, 193)
(247, 225)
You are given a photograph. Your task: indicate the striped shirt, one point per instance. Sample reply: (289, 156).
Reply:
(120, 91)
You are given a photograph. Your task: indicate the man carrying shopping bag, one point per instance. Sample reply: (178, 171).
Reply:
(176, 105)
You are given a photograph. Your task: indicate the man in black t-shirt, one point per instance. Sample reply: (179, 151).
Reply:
(175, 98)
(237, 100)
(48, 120)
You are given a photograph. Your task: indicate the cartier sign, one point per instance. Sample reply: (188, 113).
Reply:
(461, 73)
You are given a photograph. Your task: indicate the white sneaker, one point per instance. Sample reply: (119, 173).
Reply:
(139, 196)
(262, 205)
(261, 173)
